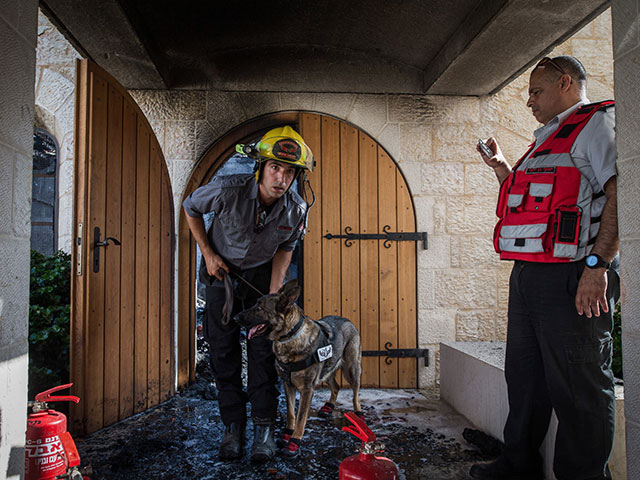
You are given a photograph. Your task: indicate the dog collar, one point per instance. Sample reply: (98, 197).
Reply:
(287, 337)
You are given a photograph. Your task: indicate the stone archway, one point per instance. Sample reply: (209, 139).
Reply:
(359, 189)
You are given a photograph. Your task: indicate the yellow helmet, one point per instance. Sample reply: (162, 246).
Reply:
(282, 144)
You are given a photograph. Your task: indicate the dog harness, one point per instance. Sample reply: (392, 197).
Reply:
(547, 209)
(322, 353)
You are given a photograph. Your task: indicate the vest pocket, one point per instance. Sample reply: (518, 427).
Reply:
(515, 198)
(566, 232)
(524, 238)
(539, 197)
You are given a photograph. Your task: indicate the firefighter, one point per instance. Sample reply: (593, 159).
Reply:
(558, 222)
(258, 221)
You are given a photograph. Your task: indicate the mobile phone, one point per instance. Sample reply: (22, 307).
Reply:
(485, 148)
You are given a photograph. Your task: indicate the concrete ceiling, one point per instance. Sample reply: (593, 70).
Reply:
(453, 47)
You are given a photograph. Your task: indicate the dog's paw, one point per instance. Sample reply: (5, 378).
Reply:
(292, 449)
(326, 410)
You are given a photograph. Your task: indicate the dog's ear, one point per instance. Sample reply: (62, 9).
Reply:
(289, 293)
(288, 286)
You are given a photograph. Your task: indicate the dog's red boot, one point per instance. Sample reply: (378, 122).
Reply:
(283, 441)
(326, 410)
(292, 449)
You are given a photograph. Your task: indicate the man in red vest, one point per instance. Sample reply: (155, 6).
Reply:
(558, 221)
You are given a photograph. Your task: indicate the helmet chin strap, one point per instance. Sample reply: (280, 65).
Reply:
(307, 183)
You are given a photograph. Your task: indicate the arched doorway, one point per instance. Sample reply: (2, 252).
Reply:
(360, 188)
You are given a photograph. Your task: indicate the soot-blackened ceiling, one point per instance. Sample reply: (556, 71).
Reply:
(453, 47)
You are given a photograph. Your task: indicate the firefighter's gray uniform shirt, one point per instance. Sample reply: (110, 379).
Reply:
(234, 199)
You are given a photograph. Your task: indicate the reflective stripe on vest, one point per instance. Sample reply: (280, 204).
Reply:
(547, 209)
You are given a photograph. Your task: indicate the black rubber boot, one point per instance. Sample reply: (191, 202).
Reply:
(264, 446)
(232, 442)
(500, 470)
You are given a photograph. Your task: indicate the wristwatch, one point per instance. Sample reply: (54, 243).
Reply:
(596, 261)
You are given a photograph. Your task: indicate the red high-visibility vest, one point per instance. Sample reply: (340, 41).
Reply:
(547, 209)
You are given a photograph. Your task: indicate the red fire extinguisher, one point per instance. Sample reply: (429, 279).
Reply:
(50, 451)
(366, 465)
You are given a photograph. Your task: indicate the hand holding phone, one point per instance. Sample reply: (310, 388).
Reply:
(485, 149)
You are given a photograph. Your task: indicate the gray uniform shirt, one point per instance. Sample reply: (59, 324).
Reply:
(594, 151)
(234, 200)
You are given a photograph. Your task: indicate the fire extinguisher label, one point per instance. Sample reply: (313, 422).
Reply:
(325, 353)
(45, 453)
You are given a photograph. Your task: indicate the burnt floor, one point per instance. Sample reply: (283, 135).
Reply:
(179, 440)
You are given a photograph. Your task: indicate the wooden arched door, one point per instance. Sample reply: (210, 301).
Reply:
(122, 348)
(360, 190)
(357, 185)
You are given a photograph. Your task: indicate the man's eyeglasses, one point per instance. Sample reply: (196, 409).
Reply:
(548, 61)
(261, 218)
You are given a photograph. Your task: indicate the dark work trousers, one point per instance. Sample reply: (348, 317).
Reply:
(558, 359)
(226, 354)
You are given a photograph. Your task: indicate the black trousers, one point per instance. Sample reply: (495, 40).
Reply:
(226, 354)
(558, 359)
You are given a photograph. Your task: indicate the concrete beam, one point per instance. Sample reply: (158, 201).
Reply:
(500, 40)
(113, 38)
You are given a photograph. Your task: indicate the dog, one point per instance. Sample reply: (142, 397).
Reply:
(307, 353)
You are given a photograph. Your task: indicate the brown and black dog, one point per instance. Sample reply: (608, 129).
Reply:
(308, 352)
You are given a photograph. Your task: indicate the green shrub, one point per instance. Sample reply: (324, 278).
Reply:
(49, 307)
(616, 366)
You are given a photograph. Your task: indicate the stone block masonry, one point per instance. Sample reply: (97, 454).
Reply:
(17, 51)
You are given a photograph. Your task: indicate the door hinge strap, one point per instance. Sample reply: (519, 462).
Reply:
(386, 235)
(390, 353)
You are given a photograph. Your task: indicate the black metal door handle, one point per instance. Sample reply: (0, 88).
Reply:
(96, 247)
(106, 242)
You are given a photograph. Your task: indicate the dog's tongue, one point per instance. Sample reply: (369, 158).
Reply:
(257, 330)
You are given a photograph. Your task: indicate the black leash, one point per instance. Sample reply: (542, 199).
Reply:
(229, 296)
(240, 277)
(227, 308)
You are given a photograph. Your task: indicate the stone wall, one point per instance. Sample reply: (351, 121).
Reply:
(626, 41)
(462, 286)
(55, 112)
(17, 57)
